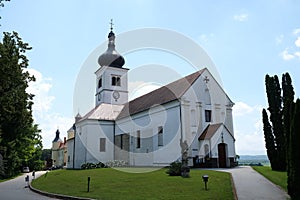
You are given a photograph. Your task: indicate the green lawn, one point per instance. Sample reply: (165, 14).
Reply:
(113, 184)
(278, 178)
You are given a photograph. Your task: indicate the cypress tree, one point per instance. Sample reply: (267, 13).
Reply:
(288, 102)
(269, 139)
(294, 154)
(275, 108)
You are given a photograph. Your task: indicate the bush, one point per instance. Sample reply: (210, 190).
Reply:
(175, 169)
(100, 165)
(88, 166)
(116, 163)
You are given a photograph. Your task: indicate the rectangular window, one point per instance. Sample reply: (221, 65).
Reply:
(102, 144)
(160, 136)
(68, 159)
(121, 142)
(138, 139)
(208, 115)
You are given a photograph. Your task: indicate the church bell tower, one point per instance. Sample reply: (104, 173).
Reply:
(111, 77)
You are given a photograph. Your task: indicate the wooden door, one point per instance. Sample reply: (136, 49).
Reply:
(222, 155)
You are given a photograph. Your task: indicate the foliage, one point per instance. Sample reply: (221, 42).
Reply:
(277, 177)
(93, 166)
(19, 139)
(269, 139)
(116, 163)
(294, 164)
(174, 169)
(275, 108)
(112, 184)
(288, 101)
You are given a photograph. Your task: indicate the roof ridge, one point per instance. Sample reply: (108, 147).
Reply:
(162, 95)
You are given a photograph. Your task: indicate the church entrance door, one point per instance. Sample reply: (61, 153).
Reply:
(222, 155)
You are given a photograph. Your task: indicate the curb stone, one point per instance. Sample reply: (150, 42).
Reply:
(58, 196)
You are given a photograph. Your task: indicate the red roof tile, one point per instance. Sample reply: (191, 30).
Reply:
(209, 131)
(162, 95)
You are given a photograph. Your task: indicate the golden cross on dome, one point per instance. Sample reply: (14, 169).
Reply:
(111, 24)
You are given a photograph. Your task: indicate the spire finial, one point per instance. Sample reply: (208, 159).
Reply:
(111, 24)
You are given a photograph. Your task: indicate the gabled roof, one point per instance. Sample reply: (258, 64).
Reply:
(103, 112)
(162, 95)
(209, 131)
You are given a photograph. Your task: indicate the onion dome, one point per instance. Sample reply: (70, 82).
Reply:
(111, 57)
(57, 139)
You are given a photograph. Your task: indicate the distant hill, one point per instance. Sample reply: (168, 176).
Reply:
(254, 160)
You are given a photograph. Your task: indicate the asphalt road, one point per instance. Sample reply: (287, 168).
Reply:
(16, 189)
(250, 185)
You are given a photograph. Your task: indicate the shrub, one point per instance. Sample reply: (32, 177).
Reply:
(100, 165)
(175, 169)
(88, 166)
(116, 163)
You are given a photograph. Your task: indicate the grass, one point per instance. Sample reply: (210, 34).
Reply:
(278, 178)
(113, 184)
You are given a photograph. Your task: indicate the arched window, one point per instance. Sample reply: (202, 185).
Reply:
(100, 83)
(116, 80)
(193, 118)
(206, 151)
(113, 80)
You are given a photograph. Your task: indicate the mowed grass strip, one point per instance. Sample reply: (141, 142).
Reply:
(113, 184)
(276, 177)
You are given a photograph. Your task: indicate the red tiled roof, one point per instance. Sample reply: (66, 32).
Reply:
(162, 95)
(209, 131)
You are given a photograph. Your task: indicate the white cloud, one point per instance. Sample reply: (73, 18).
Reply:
(248, 129)
(43, 115)
(286, 55)
(206, 37)
(297, 42)
(241, 108)
(296, 31)
(139, 88)
(297, 54)
(241, 17)
(40, 88)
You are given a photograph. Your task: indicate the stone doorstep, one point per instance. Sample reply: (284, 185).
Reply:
(58, 196)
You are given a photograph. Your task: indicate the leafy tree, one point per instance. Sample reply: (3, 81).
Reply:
(19, 136)
(294, 164)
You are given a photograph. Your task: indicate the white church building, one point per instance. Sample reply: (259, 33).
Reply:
(148, 130)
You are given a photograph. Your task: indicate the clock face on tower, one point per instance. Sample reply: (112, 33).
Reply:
(116, 95)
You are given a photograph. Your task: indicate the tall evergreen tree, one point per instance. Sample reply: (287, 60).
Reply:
(275, 108)
(288, 101)
(269, 139)
(19, 136)
(294, 164)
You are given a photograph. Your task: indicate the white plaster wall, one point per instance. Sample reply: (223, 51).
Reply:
(70, 146)
(88, 134)
(167, 116)
(200, 97)
(107, 89)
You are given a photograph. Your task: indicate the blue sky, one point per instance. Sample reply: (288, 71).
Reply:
(245, 39)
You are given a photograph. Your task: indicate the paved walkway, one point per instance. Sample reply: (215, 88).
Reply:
(251, 185)
(15, 189)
